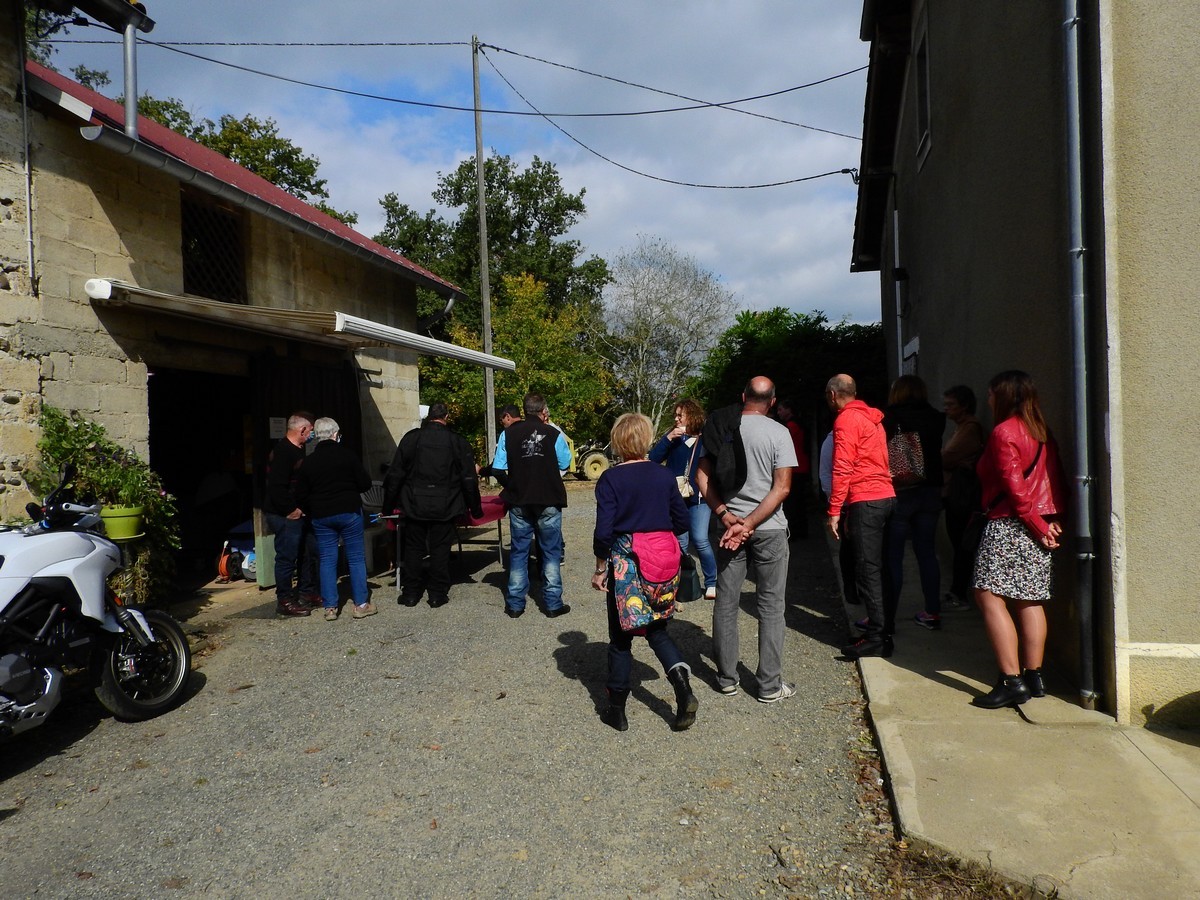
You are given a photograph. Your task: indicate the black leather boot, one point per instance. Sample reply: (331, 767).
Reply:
(1033, 681)
(614, 716)
(686, 703)
(1010, 690)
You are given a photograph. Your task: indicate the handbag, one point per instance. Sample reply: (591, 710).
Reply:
(639, 601)
(683, 482)
(906, 458)
(690, 588)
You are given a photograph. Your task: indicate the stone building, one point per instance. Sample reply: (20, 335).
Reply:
(184, 303)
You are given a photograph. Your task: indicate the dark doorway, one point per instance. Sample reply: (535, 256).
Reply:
(201, 445)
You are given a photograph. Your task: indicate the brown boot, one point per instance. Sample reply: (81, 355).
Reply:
(289, 606)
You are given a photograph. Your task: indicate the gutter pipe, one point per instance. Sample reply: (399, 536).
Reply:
(1085, 546)
(129, 41)
(117, 142)
(27, 153)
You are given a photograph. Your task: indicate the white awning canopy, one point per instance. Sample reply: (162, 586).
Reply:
(331, 328)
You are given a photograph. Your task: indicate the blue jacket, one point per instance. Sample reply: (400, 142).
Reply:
(677, 453)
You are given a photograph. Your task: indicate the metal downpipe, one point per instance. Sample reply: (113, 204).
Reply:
(1085, 552)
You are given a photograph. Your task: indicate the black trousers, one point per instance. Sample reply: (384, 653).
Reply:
(423, 537)
(865, 525)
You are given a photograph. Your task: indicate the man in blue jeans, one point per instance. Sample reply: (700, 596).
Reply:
(296, 592)
(533, 454)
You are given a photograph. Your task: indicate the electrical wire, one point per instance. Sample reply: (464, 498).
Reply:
(175, 47)
(728, 104)
(632, 171)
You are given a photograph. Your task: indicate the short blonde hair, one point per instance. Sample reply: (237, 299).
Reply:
(632, 435)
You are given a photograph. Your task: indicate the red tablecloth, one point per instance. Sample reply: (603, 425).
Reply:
(493, 510)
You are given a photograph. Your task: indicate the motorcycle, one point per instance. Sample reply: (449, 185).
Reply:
(57, 614)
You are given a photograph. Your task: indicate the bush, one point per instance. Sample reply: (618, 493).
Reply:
(113, 476)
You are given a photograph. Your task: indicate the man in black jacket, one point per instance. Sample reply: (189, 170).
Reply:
(432, 479)
(296, 592)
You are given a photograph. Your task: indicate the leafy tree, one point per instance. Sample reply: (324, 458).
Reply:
(799, 352)
(528, 215)
(39, 25)
(662, 313)
(96, 79)
(253, 144)
(546, 344)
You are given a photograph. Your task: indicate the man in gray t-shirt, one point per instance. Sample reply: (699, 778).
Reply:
(748, 522)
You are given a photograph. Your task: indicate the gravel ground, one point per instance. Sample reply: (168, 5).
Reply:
(455, 752)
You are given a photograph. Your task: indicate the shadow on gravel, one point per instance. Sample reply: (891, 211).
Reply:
(77, 715)
(587, 662)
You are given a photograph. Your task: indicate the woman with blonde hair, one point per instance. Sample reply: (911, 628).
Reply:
(1023, 495)
(639, 513)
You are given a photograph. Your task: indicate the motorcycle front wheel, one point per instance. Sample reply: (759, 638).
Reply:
(139, 682)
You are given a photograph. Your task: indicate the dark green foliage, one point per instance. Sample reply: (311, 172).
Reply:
(528, 215)
(799, 352)
(107, 472)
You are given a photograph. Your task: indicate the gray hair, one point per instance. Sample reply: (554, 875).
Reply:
(325, 429)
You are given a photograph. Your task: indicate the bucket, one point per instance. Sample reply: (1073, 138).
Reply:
(122, 523)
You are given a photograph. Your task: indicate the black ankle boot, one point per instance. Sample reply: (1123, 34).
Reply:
(1010, 690)
(686, 703)
(614, 716)
(1033, 681)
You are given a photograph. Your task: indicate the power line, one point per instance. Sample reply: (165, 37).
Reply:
(175, 47)
(728, 104)
(632, 171)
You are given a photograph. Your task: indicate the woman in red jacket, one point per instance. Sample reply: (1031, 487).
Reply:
(1022, 497)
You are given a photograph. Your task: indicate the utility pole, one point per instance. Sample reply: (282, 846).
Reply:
(485, 289)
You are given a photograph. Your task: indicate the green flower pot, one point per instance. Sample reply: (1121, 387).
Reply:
(122, 523)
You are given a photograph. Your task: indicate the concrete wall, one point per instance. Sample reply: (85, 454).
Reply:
(1151, 75)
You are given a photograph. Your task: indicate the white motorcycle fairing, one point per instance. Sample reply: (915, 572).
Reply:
(82, 558)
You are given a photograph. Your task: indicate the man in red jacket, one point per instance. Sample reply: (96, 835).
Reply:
(861, 500)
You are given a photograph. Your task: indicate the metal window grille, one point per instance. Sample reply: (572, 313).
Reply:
(214, 256)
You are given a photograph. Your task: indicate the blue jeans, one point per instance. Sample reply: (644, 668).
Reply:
(699, 517)
(769, 550)
(348, 527)
(295, 556)
(916, 516)
(522, 521)
(620, 644)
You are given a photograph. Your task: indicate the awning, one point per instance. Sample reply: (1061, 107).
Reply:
(330, 328)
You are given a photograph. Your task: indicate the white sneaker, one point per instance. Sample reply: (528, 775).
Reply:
(710, 593)
(785, 690)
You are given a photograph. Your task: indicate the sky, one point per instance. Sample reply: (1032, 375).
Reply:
(787, 245)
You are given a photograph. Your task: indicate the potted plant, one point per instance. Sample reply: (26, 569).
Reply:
(135, 503)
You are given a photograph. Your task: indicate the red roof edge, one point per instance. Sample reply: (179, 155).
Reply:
(111, 113)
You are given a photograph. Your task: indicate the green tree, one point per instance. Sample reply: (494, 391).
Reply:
(528, 214)
(552, 359)
(662, 313)
(799, 352)
(253, 144)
